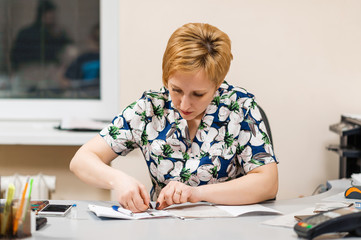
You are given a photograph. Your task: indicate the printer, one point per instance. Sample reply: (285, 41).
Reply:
(349, 147)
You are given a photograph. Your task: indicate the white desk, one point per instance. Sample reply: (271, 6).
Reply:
(88, 226)
(40, 133)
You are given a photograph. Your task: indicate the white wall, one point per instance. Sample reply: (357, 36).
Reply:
(301, 58)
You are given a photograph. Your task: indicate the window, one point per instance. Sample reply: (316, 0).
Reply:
(58, 58)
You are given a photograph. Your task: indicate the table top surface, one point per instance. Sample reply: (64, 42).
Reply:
(87, 226)
(43, 132)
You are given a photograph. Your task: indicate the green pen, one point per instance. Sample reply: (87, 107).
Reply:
(28, 201)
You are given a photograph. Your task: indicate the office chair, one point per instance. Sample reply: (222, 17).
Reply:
(266, 123)
(268, 128)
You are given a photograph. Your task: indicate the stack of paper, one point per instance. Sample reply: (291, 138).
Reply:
(356, 179)
(82, 124)
(187, 210)
(108, 212)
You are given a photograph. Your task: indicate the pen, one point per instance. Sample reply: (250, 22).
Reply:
(25, 211)
(20, 209)
(122, 210)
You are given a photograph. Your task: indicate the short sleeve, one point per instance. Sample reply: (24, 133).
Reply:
(125, 132)
(254, 147)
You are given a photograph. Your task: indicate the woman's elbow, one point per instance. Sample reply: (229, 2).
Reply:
(273, 184)
(75, 163)
(72, 165)
(273, 190)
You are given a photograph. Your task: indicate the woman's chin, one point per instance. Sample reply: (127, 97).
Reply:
(187, 117)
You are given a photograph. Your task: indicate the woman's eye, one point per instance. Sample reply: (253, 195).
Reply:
(199, 94)
(176, 90)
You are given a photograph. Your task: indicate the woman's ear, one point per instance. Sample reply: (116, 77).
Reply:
(219, 85)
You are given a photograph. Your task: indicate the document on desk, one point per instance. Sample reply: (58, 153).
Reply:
(188, 210)
(109, 212)
(339, 197)
(208, 210)
(289, 220)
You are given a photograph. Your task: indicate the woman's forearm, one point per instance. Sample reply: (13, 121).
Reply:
(259, 185)
(91, 164)
(91, 170)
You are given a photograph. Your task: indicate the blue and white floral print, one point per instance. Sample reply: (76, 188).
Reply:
(231, 139)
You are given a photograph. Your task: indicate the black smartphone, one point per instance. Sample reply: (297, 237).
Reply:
(55, 210)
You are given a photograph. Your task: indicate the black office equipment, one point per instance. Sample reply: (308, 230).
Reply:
(40, 222)
(349, 148)
(334, 221)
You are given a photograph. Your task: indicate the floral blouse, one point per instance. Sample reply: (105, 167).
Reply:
(231, 139)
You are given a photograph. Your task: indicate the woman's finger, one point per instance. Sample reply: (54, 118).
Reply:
(131, 206)
(184, 197)
(160, 201)
(177, 195)
(139, 203)
(164, 198)
(144, 195)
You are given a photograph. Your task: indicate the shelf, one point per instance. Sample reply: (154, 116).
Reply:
(345, 152)
(345, 128)
(40, 133)
(352, 118)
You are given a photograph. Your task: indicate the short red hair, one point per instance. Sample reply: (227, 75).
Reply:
(196, 46)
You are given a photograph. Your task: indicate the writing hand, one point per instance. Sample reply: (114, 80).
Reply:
(131, 194)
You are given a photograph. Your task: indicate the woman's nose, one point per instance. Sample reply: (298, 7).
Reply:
(185, 103)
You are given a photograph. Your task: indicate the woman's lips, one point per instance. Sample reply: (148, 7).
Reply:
(186, 113)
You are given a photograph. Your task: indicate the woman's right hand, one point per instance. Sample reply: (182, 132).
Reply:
(131, 194)
(91, 164)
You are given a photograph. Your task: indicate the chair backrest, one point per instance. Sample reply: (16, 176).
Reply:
(268, 128)
(266, 123)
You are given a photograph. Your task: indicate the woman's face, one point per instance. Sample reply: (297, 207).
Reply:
(191, 93)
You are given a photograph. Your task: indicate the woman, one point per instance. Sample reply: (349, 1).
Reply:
(202, 139)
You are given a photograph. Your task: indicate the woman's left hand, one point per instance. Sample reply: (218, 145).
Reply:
(176, 192)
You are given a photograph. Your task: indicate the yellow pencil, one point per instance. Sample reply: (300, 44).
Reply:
(7, 208)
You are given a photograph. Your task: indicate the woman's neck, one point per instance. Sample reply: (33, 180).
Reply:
(193, 126)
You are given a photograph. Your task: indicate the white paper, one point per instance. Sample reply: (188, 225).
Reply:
(288, 220)
(187, 210)
(109, 212)
(339, 197)
(327, 206)
(197, 210)
(208, 210)
(355, 116)
(356, 179)
(74, 123)
(245, 209)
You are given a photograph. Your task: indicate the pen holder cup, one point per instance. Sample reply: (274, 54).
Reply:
(13, 226)
(6, 221)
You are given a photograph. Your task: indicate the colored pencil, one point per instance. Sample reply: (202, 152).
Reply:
(7, 208)
(20, 209)
(27, 206)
